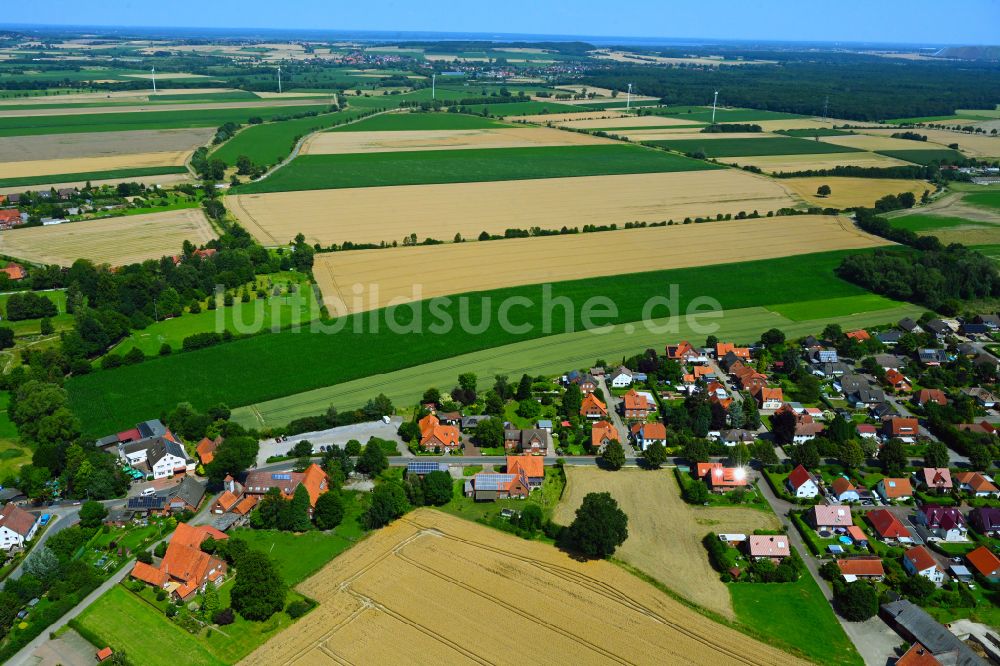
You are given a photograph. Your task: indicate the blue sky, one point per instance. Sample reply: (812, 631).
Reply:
(912, 21)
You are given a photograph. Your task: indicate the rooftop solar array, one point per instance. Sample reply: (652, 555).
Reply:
(150, 502)
(281, 477)
(422, 467)
(493, 481)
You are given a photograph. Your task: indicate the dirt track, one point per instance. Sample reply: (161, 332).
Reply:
(432, 588)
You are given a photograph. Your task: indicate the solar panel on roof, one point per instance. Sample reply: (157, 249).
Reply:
(422, 467)
(150, 502)
(281, 477)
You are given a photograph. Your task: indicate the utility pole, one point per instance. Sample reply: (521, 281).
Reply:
(154, 80)
(715, 101)
(628, 98)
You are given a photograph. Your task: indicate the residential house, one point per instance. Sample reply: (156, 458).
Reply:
(943, 523)
(889, 338)
(935, 479)
(897, 381)
(721, 479)
(983, 397)
(703, 372)
(772, 547)
(824, 517)
(858, 392)
(470, 422)
(315, 480)
(890, 361)
(984, 427)
(185, 569)
(16, 526)
(768, 398)
(977, 484)
(585, 381)
(161, 455)
(206, 449)
(882, 411)
(806, 431)
(861, 568)
(682, 351)
(831, 369)
(932, 357)
(987, 362)
(985, 562)
(722, 349)
(530, 441)
(967, 349)
(531, 467)
(635, 405)
(991, 321)
(645, 434)
(940, 328)
(971, 329)
(926, 396)
(918, 561)
(821, 355)
(185, 496)
(860, 335)
(747, 378)
(737, 436)
(435, 436)
(14, 271)
(867, 431)
(601, 434)
(891, 489)
(491, 486)
(901, 427)
(801, 483)
(986, 520)
(621, 377)
(593, 408)
(12, 217)
(888, 527)
(844, 490)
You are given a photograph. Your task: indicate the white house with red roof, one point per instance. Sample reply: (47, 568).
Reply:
(801, 483)
(918, 561)
(16, 526)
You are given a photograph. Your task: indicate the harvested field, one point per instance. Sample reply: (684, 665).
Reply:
(330, 143)
(92, 164)
(116, 96)
(873, 143)
(441, 211)
(792, 163)
(795, 123)
(66, 146)
(628, 121)
(398, 275)
(973, 145)
(690, 134)
(452, 591)
(91, 110)
(849, 192)
(666, 543)
(163, 179)
(117, 240)
(569, 117)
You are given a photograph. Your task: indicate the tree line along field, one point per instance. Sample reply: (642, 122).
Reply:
(141, 120)
(316, 172)
(744, 147)
(372, 215)
(442, 270)
(402, 582)
(292, 362)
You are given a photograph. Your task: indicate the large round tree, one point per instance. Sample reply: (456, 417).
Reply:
(600, 526)
(259, 591)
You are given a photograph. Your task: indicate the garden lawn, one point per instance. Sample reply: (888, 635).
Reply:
(138, 172)
(782, 145)
(317, 172)
(395, 122)
(797, 615)
(925, 156)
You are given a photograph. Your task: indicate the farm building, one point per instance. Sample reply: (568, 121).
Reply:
(532, 467)
(490, 486)
(185, 569)
(437, 437)
(915, 624)
(315, 480)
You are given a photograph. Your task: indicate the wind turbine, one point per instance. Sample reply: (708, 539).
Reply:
(279, 79)
(433, 86)
(715, 101)
(628, 98)
(154, 80)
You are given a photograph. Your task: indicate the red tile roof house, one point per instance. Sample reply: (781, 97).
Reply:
(977, 484)
(601, 434)
(723, 348)
(532, 467)
(860, 335)
(10, 217)
(259, 482)
(867, 430)
(437, 437)
(682, 351)
(768, 398)
(772, 547)
(490, 486)
(844, 490)
(14, 271)
(945, 523)
(861, 568)
(986, 563)
(206, 449)
(935, 479)
(801, 483)
(721, 479)
(16, 526)
(900, 427)
(645, 434)
(593, 408)
(918, 655)
(185, 569)
(635, 405)
(888, 527)
(824, 517)
(891, 489)
(936, 396)
(898, 381)
(918, 561)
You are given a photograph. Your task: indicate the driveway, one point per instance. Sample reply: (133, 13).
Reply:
(616, 419)
(336, 437)
(874, 639)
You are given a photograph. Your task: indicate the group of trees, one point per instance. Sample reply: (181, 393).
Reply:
(29, 305)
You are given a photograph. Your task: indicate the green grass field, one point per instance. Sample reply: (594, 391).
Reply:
(319, 172)
(926, 223)
(620, 103)
(783, 145)
(813, 132)
(267, 367)
(140, 120)
(834, 307)
(269, 143)
(13, 454)
(989, 199)
(925, 156)
(795, 614)
(139, 172)
(61, 321)
(391, 122)
(704, 114)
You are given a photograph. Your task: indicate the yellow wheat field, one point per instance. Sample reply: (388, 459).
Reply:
(42, 147)
(690, 134)
(973, 145)
(370, 279)
(849, 192)
(628, 121)
(876, 142)
(88, 164)
(796, 123)
(433, 588)
(117, 241)
(330, 143)
(376, 214)
(665, 543)
(792, 163)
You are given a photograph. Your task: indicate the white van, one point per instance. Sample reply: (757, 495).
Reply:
(147, 492)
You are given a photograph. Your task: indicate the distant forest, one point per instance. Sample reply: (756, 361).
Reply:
(859, 87)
